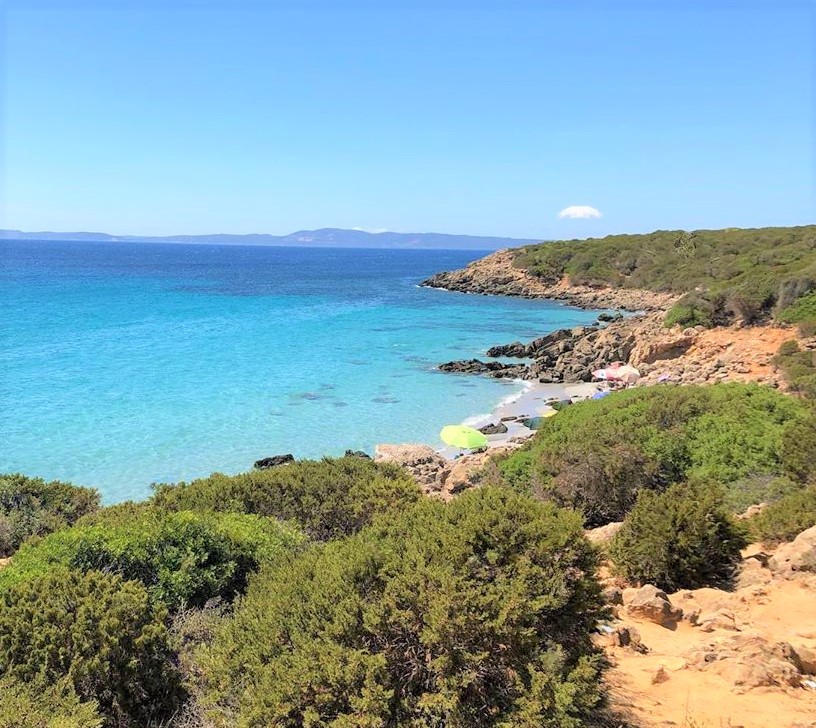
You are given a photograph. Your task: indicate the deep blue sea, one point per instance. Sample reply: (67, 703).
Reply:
(127, 364)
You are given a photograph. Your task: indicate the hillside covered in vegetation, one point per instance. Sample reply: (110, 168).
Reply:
(333, 593)
(722, 274)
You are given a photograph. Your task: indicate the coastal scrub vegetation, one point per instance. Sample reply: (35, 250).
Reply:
(798, 367)
(182, 558)
(722, 275)
(328, 498)
(681, 538)
(105, 636)
(597, 456)
(472, 613)
(33, 507)
(34, 705)
(786, 518)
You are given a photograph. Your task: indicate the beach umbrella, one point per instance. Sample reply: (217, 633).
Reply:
(600, 374)
(549, 413)
(463, 437)
(600, 395)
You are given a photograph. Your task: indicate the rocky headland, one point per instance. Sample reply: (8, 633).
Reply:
(683, 355)
(495, 275)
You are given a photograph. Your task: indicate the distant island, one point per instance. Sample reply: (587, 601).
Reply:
(322, 238)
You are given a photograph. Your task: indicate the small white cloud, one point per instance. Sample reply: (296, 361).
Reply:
(579, 212)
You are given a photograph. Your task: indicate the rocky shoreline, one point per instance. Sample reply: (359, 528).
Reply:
(688, 356)
(495, 275)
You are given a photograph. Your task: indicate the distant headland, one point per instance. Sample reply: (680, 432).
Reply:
(322, 238)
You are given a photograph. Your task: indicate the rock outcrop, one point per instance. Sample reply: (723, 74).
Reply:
(652, 605)
(424, 464)
(274, 461)
(795, 557)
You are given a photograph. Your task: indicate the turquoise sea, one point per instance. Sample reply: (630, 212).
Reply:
(127, 364)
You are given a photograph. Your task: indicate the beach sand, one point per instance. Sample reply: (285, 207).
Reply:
(530, 402)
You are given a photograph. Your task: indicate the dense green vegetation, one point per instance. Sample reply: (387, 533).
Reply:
(723, 274)
(32, 507)
(34, 705)
(785, 519)
(329, 498)
(681, 538)
(106, 636)
(475, 613)
(183, 558)
(596, 456)
(798, 367)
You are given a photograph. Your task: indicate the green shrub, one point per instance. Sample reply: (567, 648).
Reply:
(785, 519)
(330, 498)
(798, 367)
(474, 613)
(597, 455)
(34, 705)
(183, 558)
(799, 310)
(104, 634)
(679, 539)
(798, 447)
(32, 507)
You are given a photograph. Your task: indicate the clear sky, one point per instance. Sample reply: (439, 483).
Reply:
(451, 116)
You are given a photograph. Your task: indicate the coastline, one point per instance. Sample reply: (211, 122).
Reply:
(531, 401)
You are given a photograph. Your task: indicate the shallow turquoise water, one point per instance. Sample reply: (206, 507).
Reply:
(126, 364)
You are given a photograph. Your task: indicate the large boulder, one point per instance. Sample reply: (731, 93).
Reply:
(651, 605)
(797, 556)
(423, 463)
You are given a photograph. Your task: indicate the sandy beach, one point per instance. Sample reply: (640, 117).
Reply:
(532, 401)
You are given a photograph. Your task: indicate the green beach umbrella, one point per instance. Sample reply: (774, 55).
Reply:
(465, 438)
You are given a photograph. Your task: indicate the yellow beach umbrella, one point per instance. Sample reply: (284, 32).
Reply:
(463, 437)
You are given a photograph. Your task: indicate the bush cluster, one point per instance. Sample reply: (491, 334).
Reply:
(36, 705)
(724, 274)
(798, 367)
(679, 539)
(330, 498)
(104, 635)
(33, 507)
(785, 519)
(474, 613)
(596, 456)
(183, 558)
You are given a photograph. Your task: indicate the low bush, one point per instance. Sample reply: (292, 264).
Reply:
(798, 367)
(785, 519)
(183, 558)
(679, 539)
(330, 498)
(34, 705)
(33, 507)
(597, 455)
(105, 635)
(474, 613)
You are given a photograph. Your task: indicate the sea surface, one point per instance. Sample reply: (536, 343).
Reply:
(127, 364)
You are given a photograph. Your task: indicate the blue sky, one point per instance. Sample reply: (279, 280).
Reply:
(464, 117)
